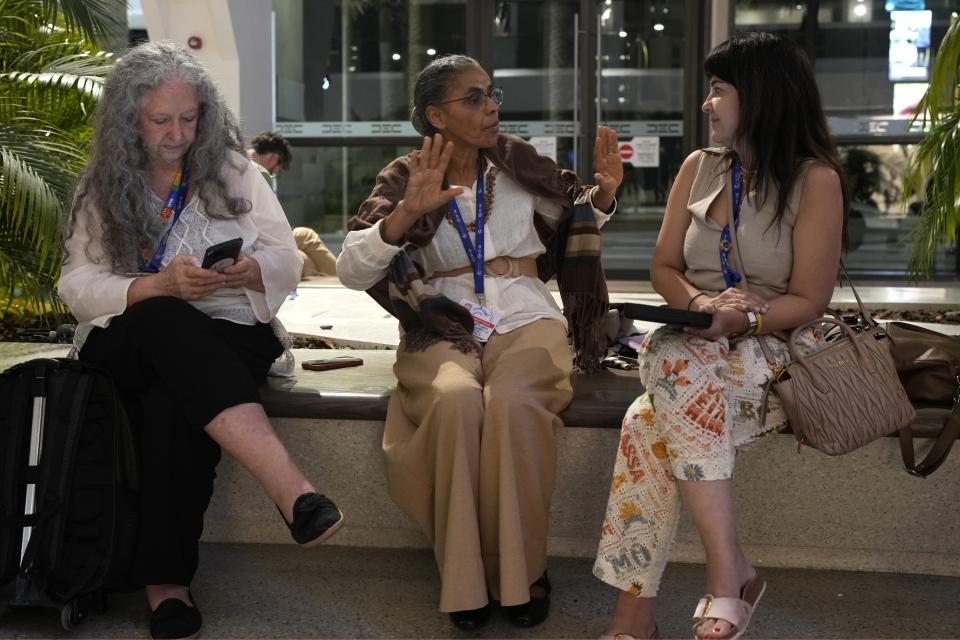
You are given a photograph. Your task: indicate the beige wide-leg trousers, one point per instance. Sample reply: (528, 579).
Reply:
(471, 457)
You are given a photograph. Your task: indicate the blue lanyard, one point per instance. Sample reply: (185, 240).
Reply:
(176, 200)
(475, 256)
(730, 276)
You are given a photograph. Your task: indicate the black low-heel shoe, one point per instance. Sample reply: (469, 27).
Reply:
(471, 619)
(175, 619)
(532, 613)
(315, 518)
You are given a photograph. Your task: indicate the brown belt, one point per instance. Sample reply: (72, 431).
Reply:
(499, 267)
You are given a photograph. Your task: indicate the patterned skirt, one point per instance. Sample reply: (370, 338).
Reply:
(702, 403)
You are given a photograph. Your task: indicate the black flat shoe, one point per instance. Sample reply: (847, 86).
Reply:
(532, 613)
(174, 619)
(315, 518)
(471, 619)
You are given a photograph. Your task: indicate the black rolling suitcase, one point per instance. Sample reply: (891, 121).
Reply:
(69, 473)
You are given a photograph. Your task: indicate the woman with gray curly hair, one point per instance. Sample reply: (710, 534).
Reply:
(186, 345)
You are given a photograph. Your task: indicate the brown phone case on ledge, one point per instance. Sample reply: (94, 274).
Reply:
(331, 363)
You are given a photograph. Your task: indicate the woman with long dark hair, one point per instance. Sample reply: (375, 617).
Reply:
(766, 208)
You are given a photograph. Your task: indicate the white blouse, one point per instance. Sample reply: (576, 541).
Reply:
(509, 231)
(95, 294)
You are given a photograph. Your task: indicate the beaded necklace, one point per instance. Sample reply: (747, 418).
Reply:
(489, 183)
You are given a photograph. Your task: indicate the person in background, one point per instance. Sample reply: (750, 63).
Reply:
(774, 181)
(186, 346)
(270, 154)
(457, 240)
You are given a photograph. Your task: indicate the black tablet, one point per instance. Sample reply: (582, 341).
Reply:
(667, 315)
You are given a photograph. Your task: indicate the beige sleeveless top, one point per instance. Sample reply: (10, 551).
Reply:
(766, 251)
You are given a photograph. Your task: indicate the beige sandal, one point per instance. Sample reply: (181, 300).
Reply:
(735, 611)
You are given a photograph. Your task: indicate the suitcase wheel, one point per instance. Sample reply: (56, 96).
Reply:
(70, 615)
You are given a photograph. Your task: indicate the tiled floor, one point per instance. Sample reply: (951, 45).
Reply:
(280, 591)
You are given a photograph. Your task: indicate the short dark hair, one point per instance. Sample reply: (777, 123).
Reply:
(782, 121)
(272, 142)
(431, 87)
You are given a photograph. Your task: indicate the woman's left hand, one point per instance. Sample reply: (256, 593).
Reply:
(607, 165)
(244, 274)
(726, 321)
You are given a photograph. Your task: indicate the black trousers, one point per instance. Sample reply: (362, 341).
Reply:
(177, 369)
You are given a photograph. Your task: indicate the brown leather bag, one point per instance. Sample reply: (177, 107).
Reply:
(929, 367)
(846, 394)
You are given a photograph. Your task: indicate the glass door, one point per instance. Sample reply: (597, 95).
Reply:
(536, 60)
(629, 54)
(640, 94)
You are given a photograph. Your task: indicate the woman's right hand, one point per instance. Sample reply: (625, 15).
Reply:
(726, 321)
(424, 191)
(184, 278)
(736, 298)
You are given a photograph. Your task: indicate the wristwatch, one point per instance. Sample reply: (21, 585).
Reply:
(752, 324)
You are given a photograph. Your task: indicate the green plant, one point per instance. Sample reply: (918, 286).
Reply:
(933, 172)
(51, 72)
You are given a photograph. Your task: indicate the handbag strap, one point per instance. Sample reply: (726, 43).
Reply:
(938, 452)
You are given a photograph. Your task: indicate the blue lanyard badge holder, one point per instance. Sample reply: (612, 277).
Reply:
(174, 204)
(484, 319)
(730, 275)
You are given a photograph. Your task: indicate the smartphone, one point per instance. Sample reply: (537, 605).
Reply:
(220, 256)
(667, 315)
(331, 363)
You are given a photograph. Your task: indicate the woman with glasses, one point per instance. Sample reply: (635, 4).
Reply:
(457, 240)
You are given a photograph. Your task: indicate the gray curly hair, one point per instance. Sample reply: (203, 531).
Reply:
(115, 182)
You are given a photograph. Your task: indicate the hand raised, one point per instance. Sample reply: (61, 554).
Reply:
(607, 164)
(425, 190)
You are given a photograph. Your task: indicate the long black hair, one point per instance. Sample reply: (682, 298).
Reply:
(782, 122)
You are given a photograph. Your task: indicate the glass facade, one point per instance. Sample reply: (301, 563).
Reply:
(871, 58)
(345, 70)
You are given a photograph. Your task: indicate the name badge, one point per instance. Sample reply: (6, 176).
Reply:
(484, 320)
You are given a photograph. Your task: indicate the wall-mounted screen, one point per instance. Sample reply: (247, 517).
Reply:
(910, 46)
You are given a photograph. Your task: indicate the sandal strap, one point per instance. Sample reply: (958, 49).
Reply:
(732, 610)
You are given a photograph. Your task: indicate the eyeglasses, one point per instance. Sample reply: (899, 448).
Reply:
(476, 98)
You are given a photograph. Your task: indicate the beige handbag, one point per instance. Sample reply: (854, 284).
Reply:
(845, 395)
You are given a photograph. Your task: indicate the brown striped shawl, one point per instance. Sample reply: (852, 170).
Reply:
(573, 255)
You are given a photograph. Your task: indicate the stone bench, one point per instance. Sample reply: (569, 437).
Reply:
(859, 511)
(361, 393)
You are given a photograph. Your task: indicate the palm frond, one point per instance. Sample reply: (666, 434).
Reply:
(52, 152)
(21, 277)
(933, 171)
(92, 18)
(30, 206)
(82, 73)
